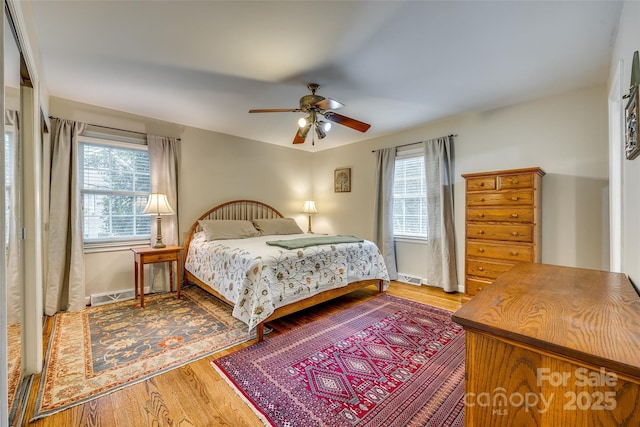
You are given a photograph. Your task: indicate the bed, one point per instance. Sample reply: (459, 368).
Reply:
(263, 282)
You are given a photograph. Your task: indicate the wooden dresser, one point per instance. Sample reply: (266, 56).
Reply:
(502, 224)
(553, 346)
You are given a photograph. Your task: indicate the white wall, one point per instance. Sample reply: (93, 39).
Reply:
(565, 135)
(627, 42)
(213, 168)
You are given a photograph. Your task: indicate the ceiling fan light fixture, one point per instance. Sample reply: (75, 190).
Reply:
(303, 131)
(326, 126)
(320, 132)
(317, 106)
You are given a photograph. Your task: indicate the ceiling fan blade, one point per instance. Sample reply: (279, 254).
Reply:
(347, 121)
(276, 110)
(299, 139)
(329, 104)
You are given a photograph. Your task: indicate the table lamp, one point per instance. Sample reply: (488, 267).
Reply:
(158, 205)
(310, 209)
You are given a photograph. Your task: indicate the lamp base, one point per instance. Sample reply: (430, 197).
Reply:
(158, 244)
(309, 228)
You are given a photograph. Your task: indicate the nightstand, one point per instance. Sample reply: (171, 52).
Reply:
(148, 255)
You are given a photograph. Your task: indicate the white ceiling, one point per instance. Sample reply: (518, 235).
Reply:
(394, 64)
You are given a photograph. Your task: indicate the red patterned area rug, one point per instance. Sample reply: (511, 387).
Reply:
(385, 362)
(105, 348)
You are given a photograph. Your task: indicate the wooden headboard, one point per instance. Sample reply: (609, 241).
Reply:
(235, 209)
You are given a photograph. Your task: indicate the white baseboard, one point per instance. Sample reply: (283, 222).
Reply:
(112, 296)
(410, 279)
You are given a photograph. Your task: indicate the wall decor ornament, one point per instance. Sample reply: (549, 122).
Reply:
(631, 112)
(342, 180)
(631, 126)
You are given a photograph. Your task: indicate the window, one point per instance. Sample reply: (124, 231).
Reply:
(410, 197)
(115, 185)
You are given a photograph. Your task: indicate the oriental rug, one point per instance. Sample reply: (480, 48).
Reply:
(385, 362)
(105, 348)
(14, 366)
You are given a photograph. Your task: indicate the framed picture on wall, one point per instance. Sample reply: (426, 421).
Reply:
(342, 180)
(631, 125)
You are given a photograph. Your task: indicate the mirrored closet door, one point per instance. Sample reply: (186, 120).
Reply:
(12, 215)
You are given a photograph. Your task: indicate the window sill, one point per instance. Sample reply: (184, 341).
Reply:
(90, 248)
(407, 239)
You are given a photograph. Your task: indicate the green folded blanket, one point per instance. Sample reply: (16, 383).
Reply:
(304, 242)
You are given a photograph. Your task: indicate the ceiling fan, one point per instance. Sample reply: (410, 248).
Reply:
(317, 107)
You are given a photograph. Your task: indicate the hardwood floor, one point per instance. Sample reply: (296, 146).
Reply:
(194, 394)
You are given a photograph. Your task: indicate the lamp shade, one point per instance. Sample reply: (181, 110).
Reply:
(310, 207)
(158, 205)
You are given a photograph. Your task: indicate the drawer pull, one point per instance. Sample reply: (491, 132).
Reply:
(514, 253)
(481, 250)
(514, 215)
(515, 233)
(482, 199)
(481, 268)
(515, 198)
(481, 215)
(480, 231)
(515, 181)
(482, 184)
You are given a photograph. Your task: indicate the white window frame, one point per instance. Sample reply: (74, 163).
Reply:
(401, 155)
(112, 244)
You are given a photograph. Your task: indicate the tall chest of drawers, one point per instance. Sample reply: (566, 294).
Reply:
(502, 226)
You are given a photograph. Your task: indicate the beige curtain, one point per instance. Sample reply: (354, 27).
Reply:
(441, 248)
(383, 214)
(65, 284)
(163, 162)
(14, 244)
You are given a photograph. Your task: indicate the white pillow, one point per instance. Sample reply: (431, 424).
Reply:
(219, 229)
(273, 226)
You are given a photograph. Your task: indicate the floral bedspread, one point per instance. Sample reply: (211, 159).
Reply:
(259, 278)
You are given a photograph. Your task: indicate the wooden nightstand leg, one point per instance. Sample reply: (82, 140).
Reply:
(178, 264)
(142, 285)
(135, 272)
(170, 276)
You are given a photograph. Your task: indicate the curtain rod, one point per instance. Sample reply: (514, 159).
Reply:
(111, 128)
(411, 143)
